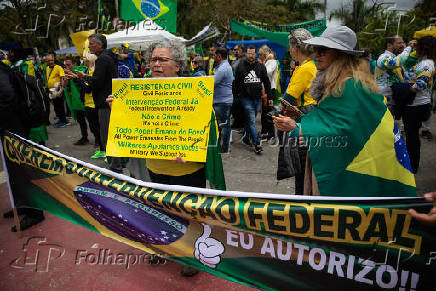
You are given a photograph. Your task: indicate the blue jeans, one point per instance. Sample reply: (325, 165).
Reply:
(251, 108)
(222, 113)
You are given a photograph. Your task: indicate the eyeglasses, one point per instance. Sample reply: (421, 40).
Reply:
(321, 51)
(161, 60)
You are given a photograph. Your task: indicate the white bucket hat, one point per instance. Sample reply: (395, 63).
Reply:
(340, 38)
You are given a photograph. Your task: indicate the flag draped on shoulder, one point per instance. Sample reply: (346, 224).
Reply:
(354, 147)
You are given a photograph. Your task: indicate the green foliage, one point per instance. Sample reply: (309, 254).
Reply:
(354, 12)
(304, 10)
(41, 23)
(373, 22)
(193, 15)
(377, 28)
(366, 17)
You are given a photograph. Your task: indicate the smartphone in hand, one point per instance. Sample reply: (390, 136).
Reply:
(290, 110)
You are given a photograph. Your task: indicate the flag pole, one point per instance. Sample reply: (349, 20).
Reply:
(117, 11)
(325, 9)
(98, 15)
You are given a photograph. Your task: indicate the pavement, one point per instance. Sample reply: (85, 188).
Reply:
(60, 254)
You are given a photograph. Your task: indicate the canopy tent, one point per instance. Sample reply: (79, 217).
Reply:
(140, 35)
(67, 51)
(429, 31)
(276, 33)
(278, 49)
(206, 33)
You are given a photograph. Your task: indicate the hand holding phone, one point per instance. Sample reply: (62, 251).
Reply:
(290, 110)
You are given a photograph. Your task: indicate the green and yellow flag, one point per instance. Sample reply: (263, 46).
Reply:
(263, 240)
(163, 12)
(355, 148)
(72, 94)
(276, 33)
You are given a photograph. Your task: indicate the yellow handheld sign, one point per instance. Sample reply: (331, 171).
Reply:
(161, 118)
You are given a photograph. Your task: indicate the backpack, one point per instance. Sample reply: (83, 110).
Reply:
(33, 101)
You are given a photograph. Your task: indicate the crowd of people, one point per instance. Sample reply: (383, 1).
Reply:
(324, 79)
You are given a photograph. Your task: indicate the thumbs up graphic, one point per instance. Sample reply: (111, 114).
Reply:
(208, 249)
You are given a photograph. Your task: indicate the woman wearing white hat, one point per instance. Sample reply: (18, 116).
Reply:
(354, 148)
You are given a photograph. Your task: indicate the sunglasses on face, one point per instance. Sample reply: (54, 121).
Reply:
(321, 51)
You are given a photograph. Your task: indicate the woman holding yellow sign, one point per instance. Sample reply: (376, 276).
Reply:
(167, 58)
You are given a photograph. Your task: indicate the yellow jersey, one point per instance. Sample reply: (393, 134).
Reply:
(54, 75)
(300, 82)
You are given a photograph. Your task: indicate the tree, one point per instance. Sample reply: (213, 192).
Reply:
(387, 23)
(354, 12)
(305, 9)
(425, 10)
(193, 15)
(42, 23)
(302, 10)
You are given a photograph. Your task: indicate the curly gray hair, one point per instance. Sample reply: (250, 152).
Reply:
(297, 36)
(177, 49)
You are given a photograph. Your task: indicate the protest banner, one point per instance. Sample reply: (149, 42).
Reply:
(276, 33)
(269, 241)
(161, 118)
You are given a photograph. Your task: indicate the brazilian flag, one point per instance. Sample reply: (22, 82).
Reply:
(163, 12)
(72, 94)
(354, 147)
(214, 165)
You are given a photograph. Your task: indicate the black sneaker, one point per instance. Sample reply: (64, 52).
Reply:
(10, 213)
(245, 140)
(258, 149)
(82, 141)
(27, 222)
